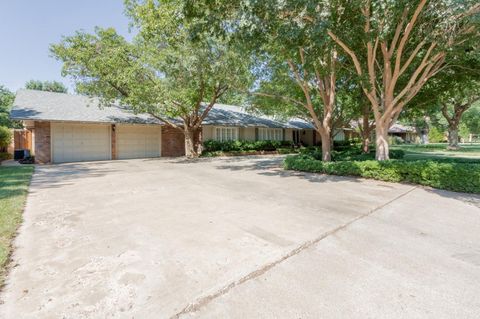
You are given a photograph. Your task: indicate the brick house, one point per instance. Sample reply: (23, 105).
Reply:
(72, 128)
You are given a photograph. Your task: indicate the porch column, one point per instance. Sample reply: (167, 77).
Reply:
(114, 141)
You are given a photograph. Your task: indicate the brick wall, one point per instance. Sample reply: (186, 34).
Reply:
(173, 142)
(42, 142)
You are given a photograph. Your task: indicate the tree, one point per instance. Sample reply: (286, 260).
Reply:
(453, 90)
(5, 137)
(405, 44)
(471, 121)
(462, 91)
(454, 117)
(168, 71)
(6, 102)
(50, 86)
(298, 67)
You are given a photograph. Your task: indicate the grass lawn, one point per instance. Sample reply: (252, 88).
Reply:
(14, 181)
(469, 152)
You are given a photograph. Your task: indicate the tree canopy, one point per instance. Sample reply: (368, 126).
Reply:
(404, 44)
(169, 70)
(50, 86)
(6, 102)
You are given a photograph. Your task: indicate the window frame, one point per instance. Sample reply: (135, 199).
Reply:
(270, 134)
(225, 133)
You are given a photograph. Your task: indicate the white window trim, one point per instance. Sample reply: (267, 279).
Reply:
(225, 133)
(270, 134)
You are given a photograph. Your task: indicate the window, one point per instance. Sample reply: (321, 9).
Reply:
(226, 134)
(270, 134)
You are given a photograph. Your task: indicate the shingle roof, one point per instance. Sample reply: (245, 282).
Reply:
(50, 106)
(399, 128)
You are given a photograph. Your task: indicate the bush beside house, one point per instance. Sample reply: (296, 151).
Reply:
(5, 140)
(219, 148)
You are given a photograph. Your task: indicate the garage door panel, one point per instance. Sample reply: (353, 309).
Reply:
(72, 142)
(138, 141)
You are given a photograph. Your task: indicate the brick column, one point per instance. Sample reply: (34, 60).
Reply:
(173, 142)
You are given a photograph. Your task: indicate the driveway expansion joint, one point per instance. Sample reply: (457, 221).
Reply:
(203, 301)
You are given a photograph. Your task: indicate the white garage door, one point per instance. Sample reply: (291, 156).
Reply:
(80, 142)
(138, 141)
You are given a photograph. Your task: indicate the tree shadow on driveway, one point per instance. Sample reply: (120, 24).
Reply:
(274, 167)
(58, 175)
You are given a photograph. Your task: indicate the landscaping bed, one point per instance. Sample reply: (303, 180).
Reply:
(243, 148)
(248, 153)
(14, 183)
(453, 176)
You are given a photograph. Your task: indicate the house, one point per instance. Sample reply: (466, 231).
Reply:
(72, 128)
(406, 133)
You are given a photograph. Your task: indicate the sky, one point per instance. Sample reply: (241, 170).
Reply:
(28, 27)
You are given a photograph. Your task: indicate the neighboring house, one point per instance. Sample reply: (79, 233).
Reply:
(406, 133)
(72, 128)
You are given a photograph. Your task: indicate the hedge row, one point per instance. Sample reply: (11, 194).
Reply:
(351, 153)
(244, 146)
(243, 153)
(458, 177)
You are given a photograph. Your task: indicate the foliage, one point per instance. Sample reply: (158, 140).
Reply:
(401, 45)
(241, 146)
(350, 153)
(395, 140)
(50, 86)
(298, 69)
(6, 102)
(168, 70)
(459, 177)
(435, 135)
(5, 156)
(5, 136)
(13, 193)
(471, 119)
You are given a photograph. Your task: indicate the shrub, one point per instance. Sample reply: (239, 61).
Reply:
(5, 156)
(459, 177)
(5, 136)
(395, 140)
(241, 146)
(351, 153)
(436, 136)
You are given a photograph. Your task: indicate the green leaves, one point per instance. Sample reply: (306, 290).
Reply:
(5, 136)
(6, 102)
(168, 69)
(444, 175)
(50, 86)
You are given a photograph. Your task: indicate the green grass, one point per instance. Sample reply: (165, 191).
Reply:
(14, 183)
(467, 152)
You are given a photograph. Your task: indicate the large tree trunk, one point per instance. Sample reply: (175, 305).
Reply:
(381, 141)
(193, 142)
(453, 137)
(198, 140)
(326, 146)
(365, 142)
(366, 129)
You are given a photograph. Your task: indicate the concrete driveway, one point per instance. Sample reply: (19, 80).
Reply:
(239, 238)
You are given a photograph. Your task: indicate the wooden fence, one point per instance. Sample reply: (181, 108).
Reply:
(22, 139)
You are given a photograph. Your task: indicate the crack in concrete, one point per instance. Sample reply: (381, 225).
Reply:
(203, 301)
